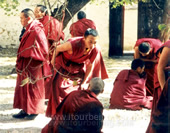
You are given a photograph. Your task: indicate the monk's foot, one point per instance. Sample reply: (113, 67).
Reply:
(22, 114)
(31, 117)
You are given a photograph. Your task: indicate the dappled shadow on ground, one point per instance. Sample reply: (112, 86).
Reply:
(21, 130)
(4, 107)
(117, 121)
(8, 52)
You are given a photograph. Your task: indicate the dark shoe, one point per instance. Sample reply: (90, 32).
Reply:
(31, 117)
(22, 114)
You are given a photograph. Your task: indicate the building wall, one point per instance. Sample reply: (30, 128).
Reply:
(10, 26)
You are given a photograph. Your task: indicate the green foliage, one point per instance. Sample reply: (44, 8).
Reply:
(9, 6)
(117, 3)
(164, 28)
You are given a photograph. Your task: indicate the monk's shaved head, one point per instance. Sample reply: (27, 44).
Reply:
(96, 85)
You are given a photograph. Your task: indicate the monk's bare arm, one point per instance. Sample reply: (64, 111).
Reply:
(163, 61)
(88, 70)
(61, 48)
(154, 61)
(136, 54)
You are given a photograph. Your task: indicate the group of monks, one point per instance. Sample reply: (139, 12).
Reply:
(58, 72)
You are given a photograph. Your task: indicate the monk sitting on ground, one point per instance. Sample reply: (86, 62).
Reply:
(129, 89)
(79, 112)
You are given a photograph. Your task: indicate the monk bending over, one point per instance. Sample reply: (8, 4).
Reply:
(129, 89)
(74, 63)
(79, 112)
(145, 49)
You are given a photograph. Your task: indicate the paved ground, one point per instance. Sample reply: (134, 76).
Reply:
(117, 121)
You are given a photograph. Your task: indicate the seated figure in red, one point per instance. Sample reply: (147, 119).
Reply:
(73, 67)
(129, 89)
(79, 112)
(78, 28)
(145, 49)
(160, 115)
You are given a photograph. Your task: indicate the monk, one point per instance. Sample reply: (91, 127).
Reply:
(79, 112)
(129, 89)
(73, 63)
(160, 115)
(54, 33)
(32, 53)
(53, 28)
(78, 28)
(145, 49)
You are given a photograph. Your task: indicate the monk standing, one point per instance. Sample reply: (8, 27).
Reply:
(72, 63)
(78, 28)
(160, 115)
(145, 49)
(79, 112)
(129, 89)
(53, 27)
(54, 33)
(32, 53)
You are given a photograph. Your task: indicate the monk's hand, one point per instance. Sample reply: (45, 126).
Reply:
(53, 62)
(154, 61)
(84, 86)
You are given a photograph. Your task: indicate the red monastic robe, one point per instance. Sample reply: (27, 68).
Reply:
(160, 115)
(79, 112)
(54, 32)
(78, 28)
(53, 28)
(129, 92)
(32, 53)
(150, 67)
(70, 70)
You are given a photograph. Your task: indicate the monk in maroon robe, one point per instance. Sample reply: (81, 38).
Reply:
(78, 28)
(53, 27)
(32, 53)
(79, 112)
(129, 89)
(73, 63)
(54, 33)
(160, 115)
(145, 49)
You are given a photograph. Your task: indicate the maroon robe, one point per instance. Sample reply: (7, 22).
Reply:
(160, 115)
(70, 71)
(79, 112)
(129, 92)
(53, 30)
(150, 67)
(78, 28)
(32, 53)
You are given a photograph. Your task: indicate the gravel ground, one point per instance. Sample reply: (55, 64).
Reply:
(117, 121)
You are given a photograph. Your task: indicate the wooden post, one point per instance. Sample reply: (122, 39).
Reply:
(116, 29)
